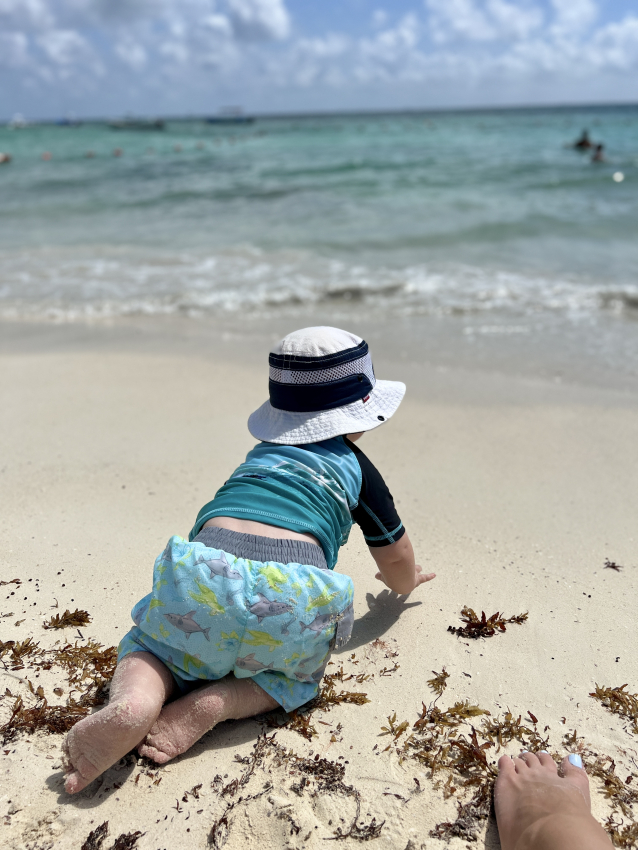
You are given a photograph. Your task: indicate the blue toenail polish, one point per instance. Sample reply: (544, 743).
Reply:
(544, 751)
(576, 760)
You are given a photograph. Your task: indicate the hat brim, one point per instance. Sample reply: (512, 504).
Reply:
(271, 425)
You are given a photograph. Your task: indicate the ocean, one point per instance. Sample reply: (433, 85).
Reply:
(486, 219)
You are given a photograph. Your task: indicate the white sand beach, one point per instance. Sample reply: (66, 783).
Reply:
(514, 491)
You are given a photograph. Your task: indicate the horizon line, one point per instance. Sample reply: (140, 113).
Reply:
(330, 113)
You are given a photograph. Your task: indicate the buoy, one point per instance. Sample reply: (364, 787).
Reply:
(46, 156)
(4, 158)
(118, 152)
(89, 154)
(177, 148)
(618, 177)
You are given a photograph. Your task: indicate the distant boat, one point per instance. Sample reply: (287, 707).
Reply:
(18, 122)
(137, 124)
(230, 115)
(68, 122)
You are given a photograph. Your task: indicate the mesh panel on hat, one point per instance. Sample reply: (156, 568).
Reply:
(290, 376)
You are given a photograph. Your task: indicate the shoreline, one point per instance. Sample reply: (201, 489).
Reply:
(515, 489)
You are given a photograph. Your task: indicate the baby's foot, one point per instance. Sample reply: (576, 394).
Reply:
(536, 807)
(99, 741)
(183, 722)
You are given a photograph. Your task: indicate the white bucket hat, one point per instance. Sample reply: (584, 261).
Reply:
(322, 385)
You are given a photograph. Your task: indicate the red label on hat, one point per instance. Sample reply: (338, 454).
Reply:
(367, 398)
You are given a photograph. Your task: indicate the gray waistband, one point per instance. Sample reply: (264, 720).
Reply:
(263, 549)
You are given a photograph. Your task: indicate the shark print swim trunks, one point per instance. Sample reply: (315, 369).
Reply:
(211, 614)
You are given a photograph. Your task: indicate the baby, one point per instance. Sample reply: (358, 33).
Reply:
(243, 616)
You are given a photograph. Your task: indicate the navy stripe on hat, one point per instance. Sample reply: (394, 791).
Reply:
(301, 384)
(325, 361)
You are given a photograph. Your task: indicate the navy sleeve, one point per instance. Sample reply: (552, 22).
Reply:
(375, 514)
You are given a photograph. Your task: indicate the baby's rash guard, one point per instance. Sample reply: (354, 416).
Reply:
(319, 489)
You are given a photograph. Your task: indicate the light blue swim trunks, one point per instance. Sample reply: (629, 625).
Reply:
(211, 613)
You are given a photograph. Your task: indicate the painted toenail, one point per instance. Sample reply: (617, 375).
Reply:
(544, 751)
(576, 760)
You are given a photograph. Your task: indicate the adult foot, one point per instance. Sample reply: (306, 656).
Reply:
(99, 741)
(539, 809)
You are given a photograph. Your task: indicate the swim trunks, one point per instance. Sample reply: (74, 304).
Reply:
(211, 613)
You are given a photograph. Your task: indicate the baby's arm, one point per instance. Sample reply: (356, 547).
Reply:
(397, 568)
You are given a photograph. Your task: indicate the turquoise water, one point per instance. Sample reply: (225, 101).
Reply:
(470, 214)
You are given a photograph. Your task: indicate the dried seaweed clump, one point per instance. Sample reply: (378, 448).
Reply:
(97, 837)
(328, 697)
(622, 796)
(618, 701)
(439, 683)
(68, 619)
(88, 669)
(483, 627)
(612, 565)
(456, 752)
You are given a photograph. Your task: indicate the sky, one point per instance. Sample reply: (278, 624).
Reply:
(183, 57)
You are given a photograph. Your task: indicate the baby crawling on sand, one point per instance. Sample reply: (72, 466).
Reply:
(243, 615)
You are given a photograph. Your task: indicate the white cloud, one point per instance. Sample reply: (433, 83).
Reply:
(616, 45)
(493, 20)
(24, 14)
(132, 53)
(65, 47)
(257, 20)
(573, 16)
(14, 51)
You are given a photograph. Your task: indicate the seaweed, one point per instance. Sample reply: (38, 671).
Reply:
(54, 719)
(439, 683)
(622, 835)
(68, 619)
(328, 697)
(88, 669)
(618, 701)
(483, 627)
(360, 832)
(127, 841)
(96, 837)
(612, 565)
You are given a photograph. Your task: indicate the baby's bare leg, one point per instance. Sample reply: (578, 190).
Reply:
(184, 721)
(536, 809)
(140, 687)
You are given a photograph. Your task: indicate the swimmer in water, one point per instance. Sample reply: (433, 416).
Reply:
(584, 143)
(598, 155)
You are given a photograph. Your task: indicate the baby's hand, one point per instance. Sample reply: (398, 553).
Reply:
(420, 577)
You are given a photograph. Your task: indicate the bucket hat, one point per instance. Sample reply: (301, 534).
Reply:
(322, 384)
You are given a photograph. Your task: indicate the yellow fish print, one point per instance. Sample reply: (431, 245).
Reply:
(207, 597)
(322, 600)
(263, 639)
(293, 657)
(190, 660)
(273, 576)
(156, 603)
(297, 588)
(164, 631)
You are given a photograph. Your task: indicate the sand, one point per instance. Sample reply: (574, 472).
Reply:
(514, 491)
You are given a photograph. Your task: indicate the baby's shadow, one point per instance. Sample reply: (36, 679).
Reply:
(383, 612)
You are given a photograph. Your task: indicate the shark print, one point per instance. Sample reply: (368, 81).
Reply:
(268, 607)
(272, 621)
(320, 622)
(185, 623)
(220, 567)
(249, 662)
